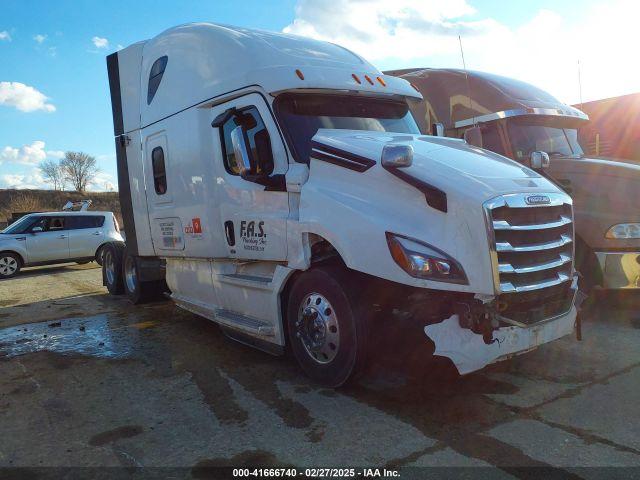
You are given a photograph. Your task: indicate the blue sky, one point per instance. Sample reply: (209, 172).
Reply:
(58, 49)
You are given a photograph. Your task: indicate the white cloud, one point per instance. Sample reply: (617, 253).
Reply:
(32, 180)
(543, 50)
(100, 42)
(31, 154)
(4, 35)
(378, 29)
(102, 182)
(56, 154)
(23, 97)
(39, 38)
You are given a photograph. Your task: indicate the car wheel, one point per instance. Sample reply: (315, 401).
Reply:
(10, 264)
(326, 327)
(112, 268)
(138, 292)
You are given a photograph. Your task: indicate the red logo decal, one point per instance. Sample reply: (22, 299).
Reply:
(194, 227)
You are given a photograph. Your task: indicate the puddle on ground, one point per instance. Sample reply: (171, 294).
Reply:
(100, 336)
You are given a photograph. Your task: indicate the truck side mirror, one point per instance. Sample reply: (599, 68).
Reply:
(437, 130)
(397, 156)
(473, 136)
(539, 160)
(36, 229)
(241, 150)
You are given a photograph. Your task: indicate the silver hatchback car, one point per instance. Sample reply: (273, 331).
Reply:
(56, 237)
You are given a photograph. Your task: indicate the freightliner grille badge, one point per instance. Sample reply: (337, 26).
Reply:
(538, 200)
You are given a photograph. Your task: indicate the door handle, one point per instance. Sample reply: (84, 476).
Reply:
(21, 239)
(97, 233)
(62, 236)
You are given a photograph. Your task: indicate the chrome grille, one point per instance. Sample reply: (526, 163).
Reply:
(532, 253)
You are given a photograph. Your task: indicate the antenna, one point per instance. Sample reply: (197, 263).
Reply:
(466, 77)
(580, 84)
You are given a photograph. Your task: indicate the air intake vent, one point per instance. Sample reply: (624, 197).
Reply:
(532, 255)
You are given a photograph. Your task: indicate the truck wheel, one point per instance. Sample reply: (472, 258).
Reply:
(326, 327)
(10, 264)
(112, 268)
(138, 292)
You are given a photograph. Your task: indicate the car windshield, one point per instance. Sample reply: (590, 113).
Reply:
(526, 138)
(301, 115)
(19, 225)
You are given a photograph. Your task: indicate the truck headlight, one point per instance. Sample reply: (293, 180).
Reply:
(421, 260)
(624, 230)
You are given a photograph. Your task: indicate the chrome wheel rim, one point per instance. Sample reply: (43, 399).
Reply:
(130, 274)
(8, 266)
(318, 329)
(109, 267)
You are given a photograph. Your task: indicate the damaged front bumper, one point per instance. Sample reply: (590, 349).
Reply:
(469, 352)
(472, 350)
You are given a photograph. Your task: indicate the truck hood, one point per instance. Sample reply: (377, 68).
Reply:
(448, 164)
(596, 167)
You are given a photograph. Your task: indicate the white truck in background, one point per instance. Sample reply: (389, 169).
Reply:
(281, 187)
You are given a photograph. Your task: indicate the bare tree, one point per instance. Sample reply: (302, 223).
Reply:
(52, 173)
(79, 169)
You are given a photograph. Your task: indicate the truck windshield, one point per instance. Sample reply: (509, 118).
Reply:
(301, 115)
(527, 138)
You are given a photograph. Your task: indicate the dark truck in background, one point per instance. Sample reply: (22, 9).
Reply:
(530, 126)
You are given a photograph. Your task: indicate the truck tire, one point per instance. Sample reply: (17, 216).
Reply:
(326, 326)
(112, 268)
(10, 264)
(138, 292)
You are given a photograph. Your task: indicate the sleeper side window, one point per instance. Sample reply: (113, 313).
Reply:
(259, 142)
(159, 172)
(155, 76)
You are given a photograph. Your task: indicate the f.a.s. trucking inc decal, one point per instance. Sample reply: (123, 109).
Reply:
(253, 236)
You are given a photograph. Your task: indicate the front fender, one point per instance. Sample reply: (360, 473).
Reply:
(16, 248)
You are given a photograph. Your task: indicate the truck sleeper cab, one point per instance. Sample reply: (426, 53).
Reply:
(281, 186)
(519, 121)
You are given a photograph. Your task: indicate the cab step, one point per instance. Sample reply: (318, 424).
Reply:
(247, 281)
(226, 318)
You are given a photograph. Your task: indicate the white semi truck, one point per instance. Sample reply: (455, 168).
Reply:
(281, 187)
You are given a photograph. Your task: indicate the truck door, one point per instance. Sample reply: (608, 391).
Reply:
(253, 217)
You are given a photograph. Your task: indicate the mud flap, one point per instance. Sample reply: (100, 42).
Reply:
(469, 352)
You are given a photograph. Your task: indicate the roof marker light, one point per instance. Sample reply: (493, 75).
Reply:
(299, 74)
(366, 77)
(355, 77)
(381, 81)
